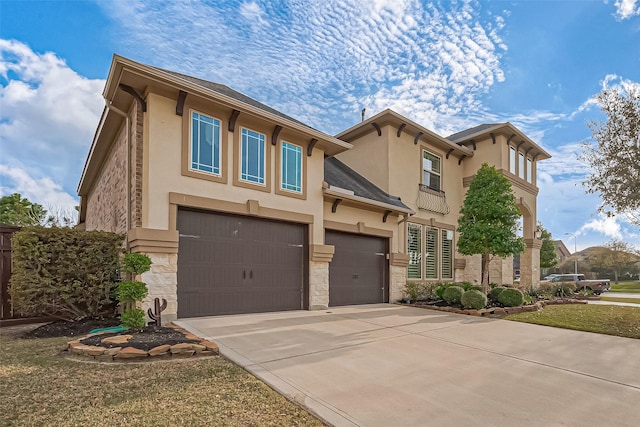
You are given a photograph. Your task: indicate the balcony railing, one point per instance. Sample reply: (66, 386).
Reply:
(432, 200)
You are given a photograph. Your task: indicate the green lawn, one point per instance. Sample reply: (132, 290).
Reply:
(627, 287)
(602, 319)
(40, 388)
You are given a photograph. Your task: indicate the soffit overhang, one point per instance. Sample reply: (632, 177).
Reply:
(401, 125)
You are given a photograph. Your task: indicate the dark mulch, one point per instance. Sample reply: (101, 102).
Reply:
(70, 329)
(145, 339)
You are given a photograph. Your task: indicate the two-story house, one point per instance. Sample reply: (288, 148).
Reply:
(244, 209)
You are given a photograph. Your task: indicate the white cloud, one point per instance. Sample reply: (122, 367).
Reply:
(627, 8)
(48, 117)
(606, 225)
(39, 190)
(423, 60)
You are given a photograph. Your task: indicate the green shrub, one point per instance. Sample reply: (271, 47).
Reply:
(493, 285)
(511, 297)
(564, 289)
(475, 287)
(495, 292)
(465, 285)
(453, 294)
(64, 272)
(132, 318)
(136, 263)
(412, 290)
(441, 288)
(129, 291)
(474, 299)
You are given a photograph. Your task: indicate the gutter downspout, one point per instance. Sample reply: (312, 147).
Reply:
(128, 131)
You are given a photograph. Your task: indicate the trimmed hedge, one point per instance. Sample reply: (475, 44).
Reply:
(64, 272)
(495, 293)
(453, 294)
(474, 299)
(511, 297)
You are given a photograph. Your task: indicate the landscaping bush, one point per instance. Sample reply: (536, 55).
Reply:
(494, 293)
(474, 299)
(64, 272)
(443, 287)
(511, 297)
(412, 290)
(453, 294)
(420, 291)
(564, 289)
(130, 292)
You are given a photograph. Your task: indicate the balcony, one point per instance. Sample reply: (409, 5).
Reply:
(432, 200)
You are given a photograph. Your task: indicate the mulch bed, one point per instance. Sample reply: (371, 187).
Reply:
(144, 339)
(63, 328)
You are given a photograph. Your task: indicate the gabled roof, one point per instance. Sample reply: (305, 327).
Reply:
(507, 129)
(402, 124)
(341, 177)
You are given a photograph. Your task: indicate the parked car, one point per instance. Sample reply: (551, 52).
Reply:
(597, 286)
(549, 277)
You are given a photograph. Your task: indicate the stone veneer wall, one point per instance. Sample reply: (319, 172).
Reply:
(398, 279)
(318, 285)
(473, 269)
(162, 282)
(501, 270)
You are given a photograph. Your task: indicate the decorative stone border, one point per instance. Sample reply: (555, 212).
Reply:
(500, 311)
(125, 354)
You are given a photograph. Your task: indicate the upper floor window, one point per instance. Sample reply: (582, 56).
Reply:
(512, 160)
(529, 171)
(205, 144)
(431, 172)
(521, 165)
(291, 167)
(252, 157)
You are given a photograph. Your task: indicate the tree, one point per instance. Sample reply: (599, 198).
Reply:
(19, 211)
(548, 255)
(615, 157)
(489, 219)
(618, 258)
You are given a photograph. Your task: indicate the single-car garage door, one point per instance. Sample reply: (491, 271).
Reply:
(358, 271)
(229, 264)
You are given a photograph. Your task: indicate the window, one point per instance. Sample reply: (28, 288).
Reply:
(252, 157)
(431, 254)
(437, 251)
(447, 254)
(512, 160)
(521, 165)
(414, 250)
(205, 144)
(291, 167)
(530, 171)
(431, 170)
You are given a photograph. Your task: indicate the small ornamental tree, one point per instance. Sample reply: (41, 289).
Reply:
(130, 292)
(548, 256)
(489, 218)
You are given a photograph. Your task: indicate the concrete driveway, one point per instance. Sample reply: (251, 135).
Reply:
(387, 365)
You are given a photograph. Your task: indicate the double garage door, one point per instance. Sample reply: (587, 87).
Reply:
(229, 264)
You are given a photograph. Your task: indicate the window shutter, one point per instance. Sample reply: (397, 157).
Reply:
(447, 256)
(414, 250)
(431, 257)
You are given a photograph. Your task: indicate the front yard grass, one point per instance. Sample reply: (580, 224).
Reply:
(627, 287)
(602, 319)
(40, 388)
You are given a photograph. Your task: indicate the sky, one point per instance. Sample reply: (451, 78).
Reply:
(446, 65)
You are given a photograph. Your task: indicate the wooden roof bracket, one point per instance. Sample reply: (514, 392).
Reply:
(375, 125)
(400, 128)
(417, 138)
(509, 140)
(312, 144)
(493, 138)
(518, 146)
(461, 159)
(386, 214)
(232, 120)
(536, 156)
(334, 207)
(182, 96)
(274, 136)
(131, 91)
(527, 152)
(473, 142)
(449, 152)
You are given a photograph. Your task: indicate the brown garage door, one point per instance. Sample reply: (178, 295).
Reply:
(358, 271)
(233, 264)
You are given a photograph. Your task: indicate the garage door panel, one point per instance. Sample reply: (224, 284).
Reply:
(358, 271)
(232, 264)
